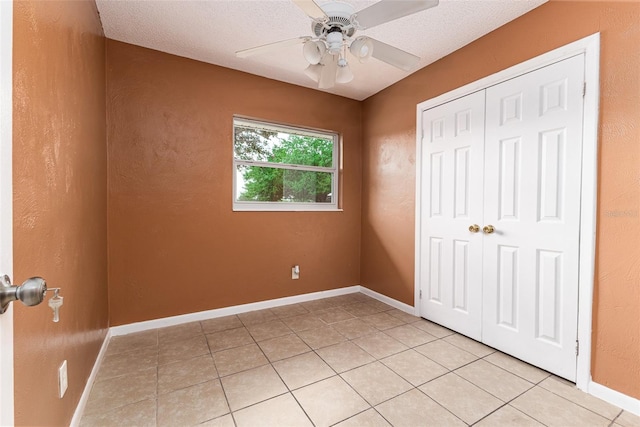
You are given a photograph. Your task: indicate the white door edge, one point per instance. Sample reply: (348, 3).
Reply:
(6, 209)
(590, 47)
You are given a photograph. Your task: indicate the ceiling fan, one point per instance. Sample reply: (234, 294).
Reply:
(334, 25)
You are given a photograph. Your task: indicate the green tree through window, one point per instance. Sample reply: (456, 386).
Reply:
(281, 165)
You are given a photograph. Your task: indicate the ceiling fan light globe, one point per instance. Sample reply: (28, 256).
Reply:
(313, 51)
(313, 71)
(361, 48)
(344, 74)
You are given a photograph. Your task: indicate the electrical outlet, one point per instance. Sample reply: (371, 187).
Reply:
(63, 381)
(295, 272)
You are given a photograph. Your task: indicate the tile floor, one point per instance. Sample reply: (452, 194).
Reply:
(348, 361)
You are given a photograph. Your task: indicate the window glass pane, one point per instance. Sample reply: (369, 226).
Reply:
(264, 184)
(267, 145)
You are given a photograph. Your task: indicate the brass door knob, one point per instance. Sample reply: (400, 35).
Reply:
(488, 229)
(474, 228)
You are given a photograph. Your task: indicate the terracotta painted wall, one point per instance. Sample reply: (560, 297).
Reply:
(389, 166)
(59, 173)
(175, 245)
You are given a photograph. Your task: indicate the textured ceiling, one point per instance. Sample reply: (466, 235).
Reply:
(212, 31)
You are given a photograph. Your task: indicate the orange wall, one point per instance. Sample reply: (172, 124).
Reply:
(175, 245)
(388, 203)
(59, 173)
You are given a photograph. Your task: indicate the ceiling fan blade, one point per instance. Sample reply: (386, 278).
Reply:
(393, 56)
(270, 47)
(311, 8)
(388, 10)
(329, 70)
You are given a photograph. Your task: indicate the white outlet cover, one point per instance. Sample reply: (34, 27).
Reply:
(63, 381)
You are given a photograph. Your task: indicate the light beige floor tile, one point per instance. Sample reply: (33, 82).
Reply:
(345, 356)
(469, 345)
(129, 362)
(321, 337)
(627, 419)
(302, 370)
(185, 373)
(518, 367)
(136, 341)
(448, 390)
(223, 421)
(405, 317)
(414, 367)
(329, 401)
(121, 391)
(508, 416)
(281, 411)
(258, 316)
(382, 321)
(433, 328)
(410, 336)
(415, 409)
(179, 332)
(218, 324)
(289, 310)
(341, 300)
(229, 338)
(376, 383)
(318, 305)
(192, 405)
(333, 315)
(380, 345)
(500, 383)
(447, 355)
(174, 351)
(354, 328)
(361, 309)
(360, 297)
(265, 331)
(570, 392)
(252, 386)
(283, 347)
(379, 305)
(553, 410)
(142, 414)
(303, 322)
(239, 359)
(368, 418)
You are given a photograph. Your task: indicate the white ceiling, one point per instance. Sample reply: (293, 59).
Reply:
(213, 30)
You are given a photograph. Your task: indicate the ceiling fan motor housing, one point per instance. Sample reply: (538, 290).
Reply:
(339, 14)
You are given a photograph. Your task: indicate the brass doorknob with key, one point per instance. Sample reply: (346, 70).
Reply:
(474, 228)
(488, 229)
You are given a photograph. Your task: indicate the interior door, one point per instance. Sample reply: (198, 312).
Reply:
(533, 148)
(6, 226)
(451, 255)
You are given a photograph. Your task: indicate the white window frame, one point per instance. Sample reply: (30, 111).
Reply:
(287, 206)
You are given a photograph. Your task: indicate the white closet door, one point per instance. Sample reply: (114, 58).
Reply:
(533, 150)
(451, 256)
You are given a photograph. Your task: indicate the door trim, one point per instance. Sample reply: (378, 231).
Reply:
(6, 208)
(590, 48)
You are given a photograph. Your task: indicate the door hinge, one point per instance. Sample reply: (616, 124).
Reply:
(584, 89)
(420, 293)
(577, 347)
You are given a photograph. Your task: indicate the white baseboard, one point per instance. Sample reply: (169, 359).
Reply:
(228, 311)
(77, 416)
(621, 400)
(389, 301)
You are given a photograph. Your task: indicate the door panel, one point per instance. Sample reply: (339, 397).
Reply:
(532, 197)
(451, 256)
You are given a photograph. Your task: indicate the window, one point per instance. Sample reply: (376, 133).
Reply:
(284, 168)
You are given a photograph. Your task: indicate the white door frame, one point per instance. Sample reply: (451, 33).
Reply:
(6, 207)
(590, 47)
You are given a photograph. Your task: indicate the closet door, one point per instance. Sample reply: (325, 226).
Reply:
(451, 255)
(533, 151)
